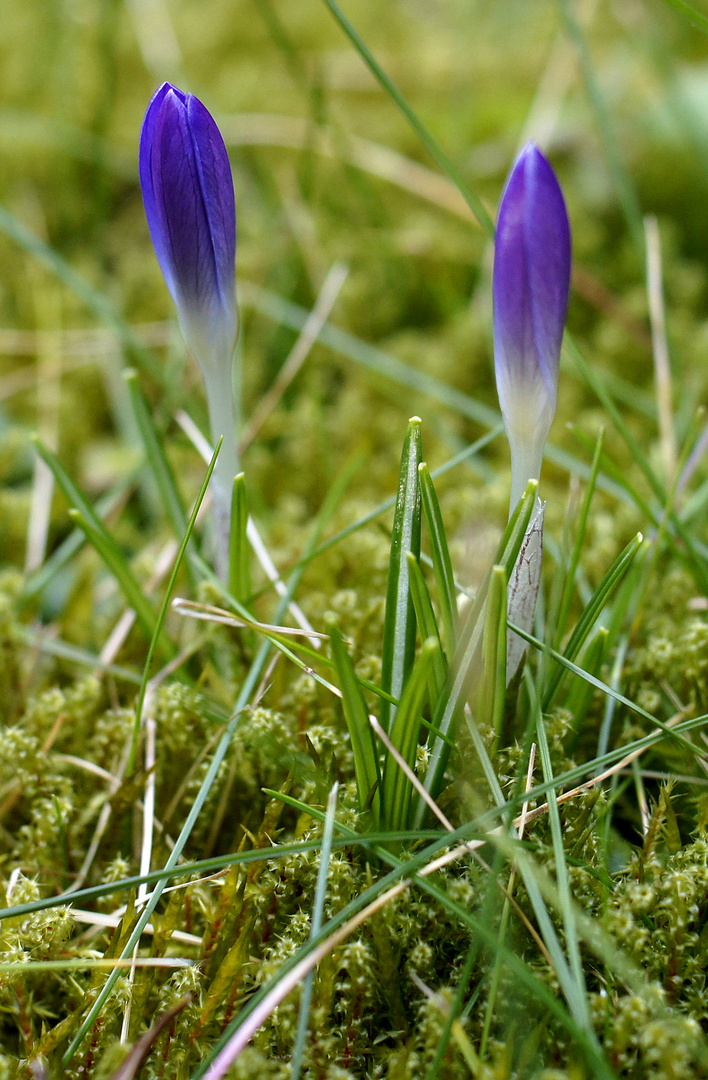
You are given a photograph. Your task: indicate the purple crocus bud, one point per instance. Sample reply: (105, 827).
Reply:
(189, 202)
(531, 284)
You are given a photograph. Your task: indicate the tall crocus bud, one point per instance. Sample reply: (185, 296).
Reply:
(531, 284)
(189, 202)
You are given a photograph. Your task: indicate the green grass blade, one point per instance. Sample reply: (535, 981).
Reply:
(366, 762)
(315, 927)
(578, 1002)
(162, 615)
(398, 647)
(428, 627)
(432, 146)
(239, 548)
(153, 445)
(587, 620)
(579, 696)
(464, 668)
(396, 788)
(491, 697)
(623, 184)
(94, 300)
(36, 582)
(694, 560)
(442, 564)
(85, 517)
(690, 12)
(115, 561)
(581, 529)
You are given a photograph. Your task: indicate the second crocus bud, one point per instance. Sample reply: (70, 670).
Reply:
(189, 203)
(531, 285)
(188, 193)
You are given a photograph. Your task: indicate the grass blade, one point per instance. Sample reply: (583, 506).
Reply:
(575, 990)
(570, 572)
(428, 627)
(465, 666)
(398, 647)
(316, 926)
(366, 762)
(492, 691)
(585, 624)
(163, 612)
(432, 146)
(155, 453)
(694, 16)
(442, 564)
(396, 788)
(85, 517)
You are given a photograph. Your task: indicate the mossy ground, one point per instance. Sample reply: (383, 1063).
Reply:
(77, 77)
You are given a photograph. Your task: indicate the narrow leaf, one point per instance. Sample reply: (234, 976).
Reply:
(366, 763)
(442, 564)
(428, 628)
(465, 667)
(492, 691)
(587, 620)
(398, 649)
(396, 788)
(239, 548)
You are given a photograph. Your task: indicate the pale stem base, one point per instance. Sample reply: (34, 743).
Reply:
(222, 420)
(523, 589)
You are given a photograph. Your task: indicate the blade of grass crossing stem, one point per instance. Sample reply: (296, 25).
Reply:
(96, 533)
(239, 547)
(248, 687)
(579, 539)
(587, 620)
(154, 451)
(396, 788)
(492, 690)
(442, 564)
(465, 665)
(163, 612)
(428, 626)
(366, 762)
(432, 146)
(579, 1002)
(315, 927)
(398, 649)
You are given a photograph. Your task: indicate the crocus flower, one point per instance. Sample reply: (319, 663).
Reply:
(531, 284)
(189, 202)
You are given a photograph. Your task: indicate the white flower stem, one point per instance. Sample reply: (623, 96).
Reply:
(222, 420)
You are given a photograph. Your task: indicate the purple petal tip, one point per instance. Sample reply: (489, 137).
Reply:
(188, 193)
